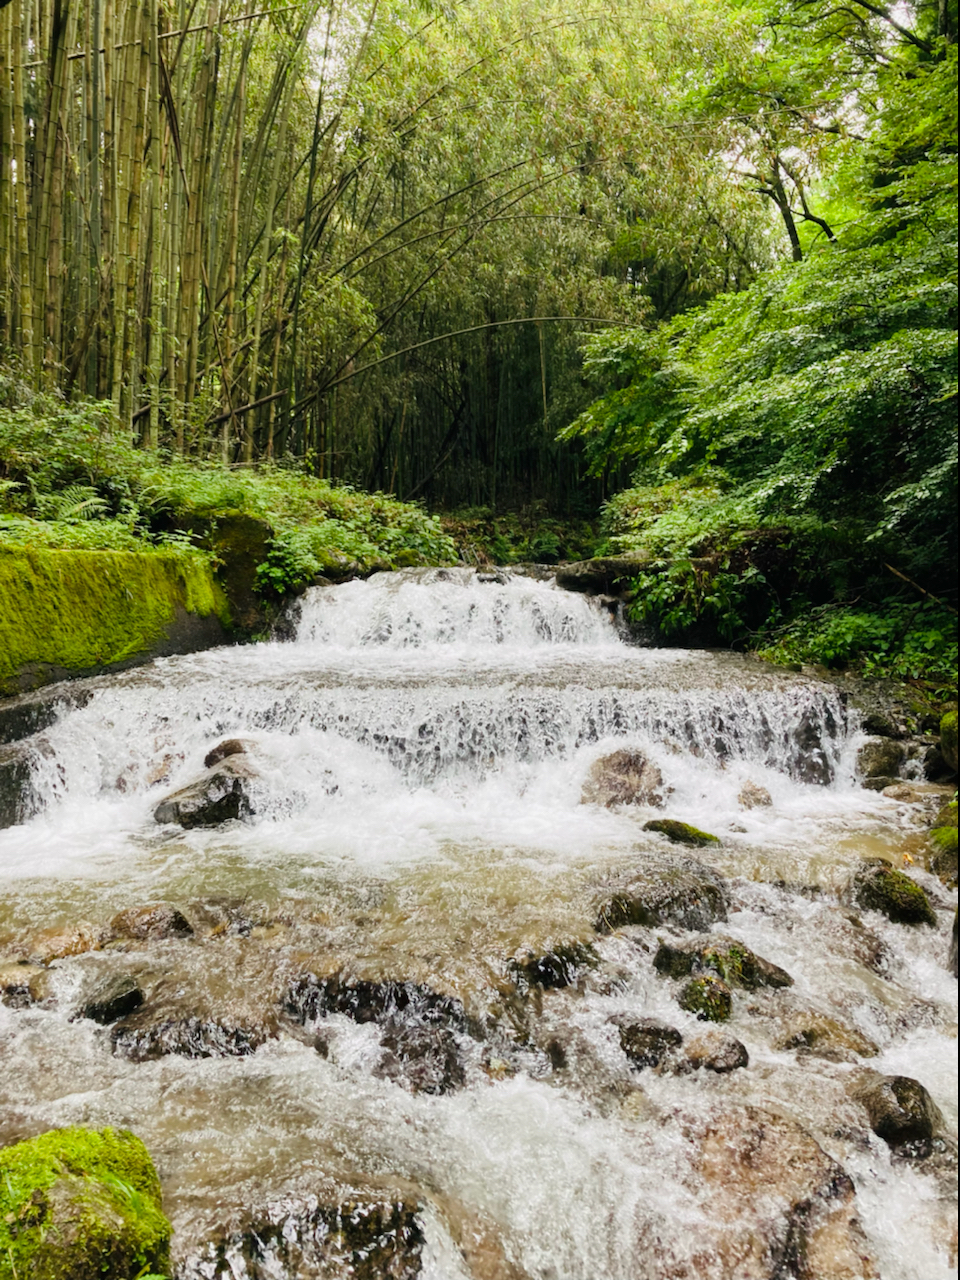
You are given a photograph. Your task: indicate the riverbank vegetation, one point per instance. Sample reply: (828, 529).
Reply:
(693, 264)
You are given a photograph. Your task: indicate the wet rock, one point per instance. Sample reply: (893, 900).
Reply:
(880, 725)
(753, 796)
(623, 777)
(782, 1208)
(812, 765)
(62, 942)
(715, 1051)
(150, 1033)
(952, 955)
(879, 757)
(113, 998)
(603, 574)
(707, 997)
(151, 922)
(419, 1027)
(421, 1057)
(901, 1112)
(880, 784)
(647, 1041)
(948, 738)
(876, 886)
(681, 832)
(15, 785)
(220, 794)
(229, 747)
(824, 1037)
(685, 893)
(556, 968)
(729, 959)
(336, 1236)
(22, 985)
(946, 816)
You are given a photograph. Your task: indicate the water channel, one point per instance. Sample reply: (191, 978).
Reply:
(395, 1001)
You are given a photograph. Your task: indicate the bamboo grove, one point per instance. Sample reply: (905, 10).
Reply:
(245, 224)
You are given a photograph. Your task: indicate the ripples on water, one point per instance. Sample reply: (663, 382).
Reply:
(421, 749)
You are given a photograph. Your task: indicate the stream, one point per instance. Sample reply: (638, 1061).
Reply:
(386, 1017)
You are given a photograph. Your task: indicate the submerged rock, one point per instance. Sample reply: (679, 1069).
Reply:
(824, 1037)
(559, 967)
(81, 1203)
(901, 1112)
(681, 832)
(151, 1033)
(647, 1041)
(419, 1027)
(685, 893)
(753, 796)
(879, 757)
(707, 997)
(876, 886)
(113, 998)
(23, 984)
(729, 959)
(781, 1206)
(151, 922)
(623, 777)
(715, 1051)
(61, 942)
(220, 794)
(332, 1233)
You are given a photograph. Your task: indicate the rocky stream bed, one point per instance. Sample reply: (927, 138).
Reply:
(460, 939)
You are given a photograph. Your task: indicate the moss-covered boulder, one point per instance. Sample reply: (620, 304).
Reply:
(67, 613)
(81, 1204)
(944, 860)
(685, 893)
(728, 958)
(948, 738)
(879, 758)
(681, 832)
(707, 997)
(876, 886)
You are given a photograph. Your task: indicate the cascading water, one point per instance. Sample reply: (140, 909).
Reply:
(400, 991)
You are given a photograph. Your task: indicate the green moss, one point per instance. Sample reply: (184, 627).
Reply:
(708, 998)
(948, 738)
(945, 838)
(80, 610)
(681, 832)
(900, 899)
(80, 1204)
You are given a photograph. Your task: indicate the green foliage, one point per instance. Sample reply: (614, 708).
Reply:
(796, 439)
(68, 480)
(526, 536)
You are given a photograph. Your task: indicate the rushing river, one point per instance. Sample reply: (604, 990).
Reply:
(418, 757)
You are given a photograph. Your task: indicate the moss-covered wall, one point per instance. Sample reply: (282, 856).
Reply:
(69, 613)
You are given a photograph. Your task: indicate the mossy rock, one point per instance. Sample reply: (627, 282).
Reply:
(879, 887)
(81, 1204)
(947, 817)
(707, 997)
(944, 861)
(948, 738)
(728, 958)
(66, 613)
(681, 832)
